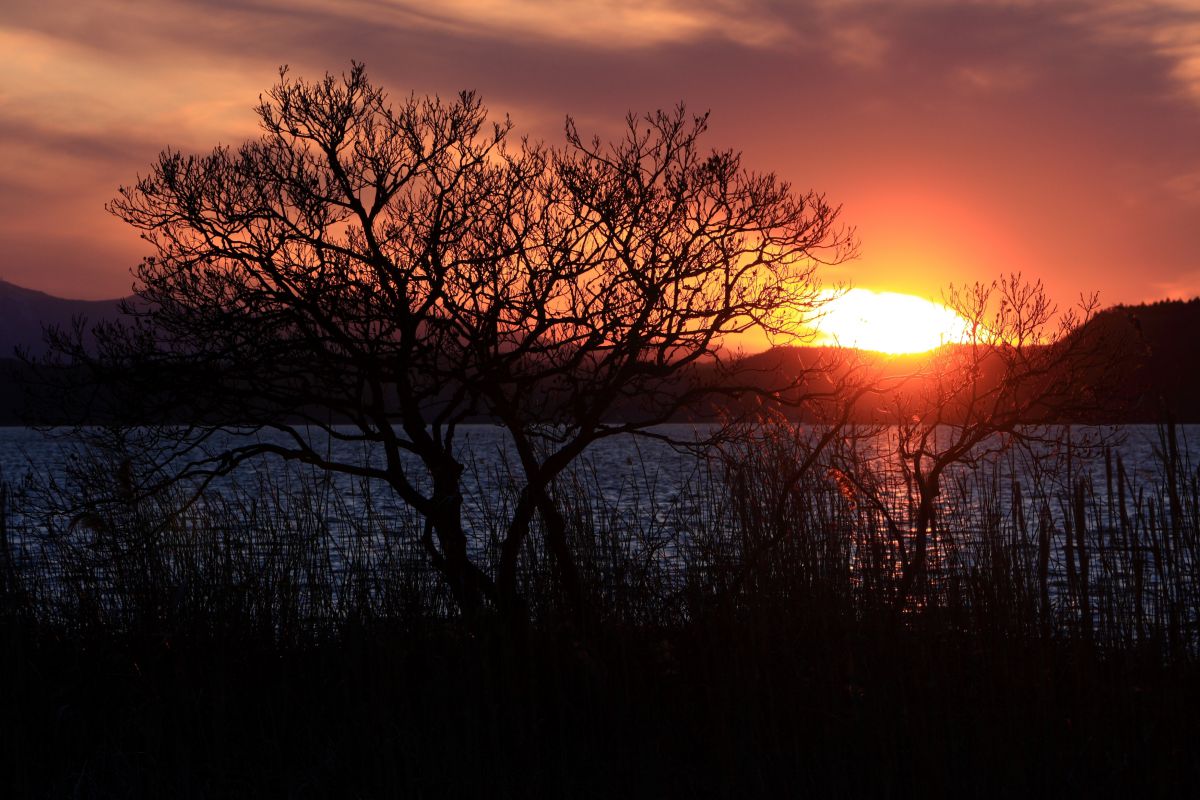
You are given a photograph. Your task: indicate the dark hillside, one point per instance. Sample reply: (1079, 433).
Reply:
(1167, 379)
(25, 312)
(1159, 345)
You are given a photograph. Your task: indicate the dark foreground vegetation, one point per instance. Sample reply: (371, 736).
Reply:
(753, 636)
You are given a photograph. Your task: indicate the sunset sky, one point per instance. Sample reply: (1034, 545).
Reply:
(961, 138)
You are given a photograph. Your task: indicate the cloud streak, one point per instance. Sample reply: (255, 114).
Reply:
(606, 24)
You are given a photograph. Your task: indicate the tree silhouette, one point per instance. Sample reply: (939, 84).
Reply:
(1022, 365)
(384, 271)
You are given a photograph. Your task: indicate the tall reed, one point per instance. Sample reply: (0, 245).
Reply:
(1065, 543)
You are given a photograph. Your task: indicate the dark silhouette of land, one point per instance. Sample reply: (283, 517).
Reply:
(26, 313)
(1160, 343)
(1166, 379)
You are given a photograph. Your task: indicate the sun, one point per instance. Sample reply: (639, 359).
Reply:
(887, 322)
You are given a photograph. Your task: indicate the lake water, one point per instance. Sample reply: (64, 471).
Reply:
(623, 482)
(630, 473)
(627, 475)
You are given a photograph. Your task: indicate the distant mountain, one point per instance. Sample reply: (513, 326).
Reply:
(1160, 344)
(1155, 348)
(25, 312)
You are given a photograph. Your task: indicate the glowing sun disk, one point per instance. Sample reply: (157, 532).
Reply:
(887, 322)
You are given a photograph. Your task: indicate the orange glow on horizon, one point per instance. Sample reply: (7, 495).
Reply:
(887, 322)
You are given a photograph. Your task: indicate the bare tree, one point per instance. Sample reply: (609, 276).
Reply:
(648, 256)
(1022, 366)
(383, 272)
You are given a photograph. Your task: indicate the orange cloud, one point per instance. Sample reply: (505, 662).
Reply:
(608, 24)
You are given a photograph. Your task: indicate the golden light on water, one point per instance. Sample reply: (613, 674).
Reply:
(887, 322)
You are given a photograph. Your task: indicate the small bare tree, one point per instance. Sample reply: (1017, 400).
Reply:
(384, 272)
(1021, 366)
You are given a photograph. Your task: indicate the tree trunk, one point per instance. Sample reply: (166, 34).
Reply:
(913, 580)
(470, 586)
